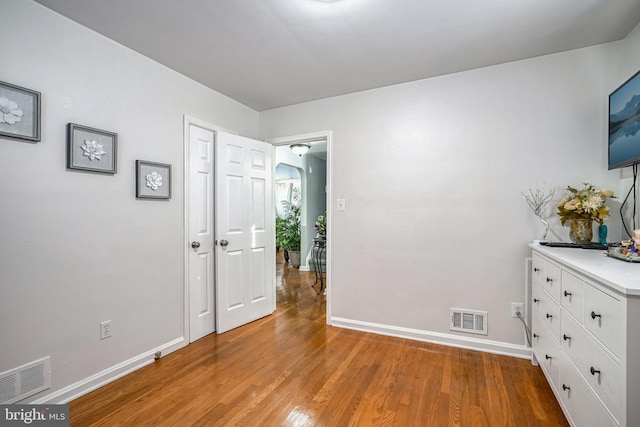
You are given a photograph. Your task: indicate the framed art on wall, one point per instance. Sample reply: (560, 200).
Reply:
(19, 112)
(90, 149)
(153, 180)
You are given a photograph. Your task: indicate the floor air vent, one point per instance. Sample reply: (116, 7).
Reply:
(473, 322)
(25, 381)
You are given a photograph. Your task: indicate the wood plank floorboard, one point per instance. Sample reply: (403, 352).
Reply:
(291, 369)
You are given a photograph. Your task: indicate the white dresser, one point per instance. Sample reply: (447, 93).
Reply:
(586, 333)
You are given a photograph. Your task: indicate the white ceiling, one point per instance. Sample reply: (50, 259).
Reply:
(272, 53)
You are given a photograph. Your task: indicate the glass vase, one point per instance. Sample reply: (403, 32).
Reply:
(580, 231)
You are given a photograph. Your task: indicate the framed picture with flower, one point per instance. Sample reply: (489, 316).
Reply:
(153, 180)
(90, 149)
(19, 112)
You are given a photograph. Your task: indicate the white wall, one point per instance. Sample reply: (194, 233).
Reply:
(432, 173)
(78, 248)
(316, 170)
(316, 188)
(630, 61)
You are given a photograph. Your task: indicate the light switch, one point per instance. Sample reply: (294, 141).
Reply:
(341, 204)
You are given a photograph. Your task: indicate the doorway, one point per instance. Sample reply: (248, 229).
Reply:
(315, 193)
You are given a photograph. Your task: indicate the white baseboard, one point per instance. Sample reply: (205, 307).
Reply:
(102, 378)
(451, 340)
(111, 374)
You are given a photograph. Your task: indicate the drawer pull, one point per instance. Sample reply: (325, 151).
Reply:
(594, 371)
(536, 336)
(566, 387)
(566, 337)
(546, 356)
(549, 279)
(567, 294)
(549, 316)
(536, 269)
(536, 300)
(594, 315)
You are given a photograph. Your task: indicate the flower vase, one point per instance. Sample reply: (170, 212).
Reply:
(580, 231)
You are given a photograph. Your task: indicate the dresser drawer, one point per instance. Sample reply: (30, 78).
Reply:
(546, 350)
(583, 407)
(572, 295)
(604, 317)
(547, 275)
(552, 280)
(538, 299)
(603, 374)
(547, 309)
(537, 268)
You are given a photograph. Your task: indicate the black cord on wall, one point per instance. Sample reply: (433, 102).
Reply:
(633, 188)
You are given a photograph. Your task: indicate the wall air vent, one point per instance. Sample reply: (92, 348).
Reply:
(471, 321)
(24, 381)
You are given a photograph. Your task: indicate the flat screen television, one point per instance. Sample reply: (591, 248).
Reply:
(624, 124)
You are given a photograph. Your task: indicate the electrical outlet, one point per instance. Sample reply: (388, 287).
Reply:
(517, 307)
(105, 329)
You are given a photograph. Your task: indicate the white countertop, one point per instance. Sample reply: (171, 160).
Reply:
(619, 275)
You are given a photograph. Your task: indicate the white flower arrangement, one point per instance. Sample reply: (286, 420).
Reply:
(586, 203)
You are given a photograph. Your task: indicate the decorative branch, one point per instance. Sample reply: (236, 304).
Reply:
(538, 200)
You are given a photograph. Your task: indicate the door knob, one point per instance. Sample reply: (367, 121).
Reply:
(195, 245)
(224, 243)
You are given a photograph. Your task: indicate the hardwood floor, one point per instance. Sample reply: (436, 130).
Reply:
(291, 369)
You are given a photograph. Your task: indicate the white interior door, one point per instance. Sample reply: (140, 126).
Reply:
(200, 229)
(245, 233)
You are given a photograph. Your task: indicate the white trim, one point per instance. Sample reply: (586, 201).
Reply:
(108, 375)
(188, 121)
(206, 125)
(527, 298)
(328, 136)
(185, 235)
(469, 343)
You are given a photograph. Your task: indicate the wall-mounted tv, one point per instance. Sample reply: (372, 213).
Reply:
(624, 124)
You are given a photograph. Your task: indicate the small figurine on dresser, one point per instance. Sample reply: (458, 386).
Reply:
(629, 250)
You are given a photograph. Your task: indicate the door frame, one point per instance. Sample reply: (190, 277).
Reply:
(187, 122)
(288, 140)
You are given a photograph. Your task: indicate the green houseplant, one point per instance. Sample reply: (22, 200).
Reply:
(289, 233)
(321, 226)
